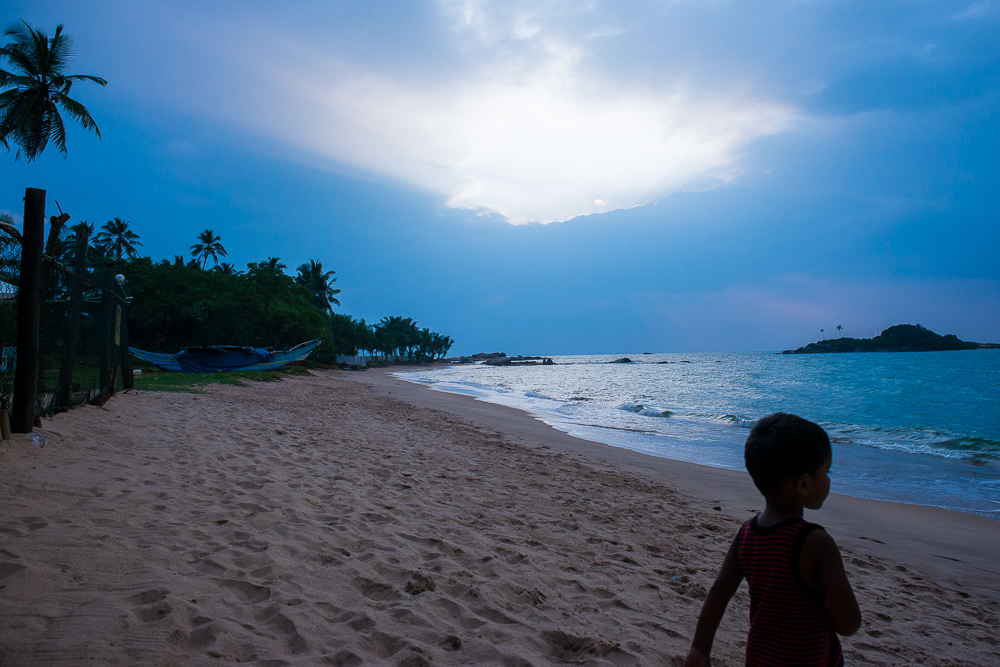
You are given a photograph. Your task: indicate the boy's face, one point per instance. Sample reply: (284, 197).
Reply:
(819, 486)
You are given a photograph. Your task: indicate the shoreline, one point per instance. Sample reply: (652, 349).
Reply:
(360, 519)
(908, 448)
(961, 549)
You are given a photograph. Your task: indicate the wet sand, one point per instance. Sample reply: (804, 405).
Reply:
(353, 518)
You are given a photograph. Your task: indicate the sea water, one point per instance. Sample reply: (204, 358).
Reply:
(911, 427)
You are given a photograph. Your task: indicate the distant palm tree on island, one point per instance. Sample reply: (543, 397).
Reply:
(115, 238)
(209, 245)
(272, 265)
(38, 86)
(320, 283)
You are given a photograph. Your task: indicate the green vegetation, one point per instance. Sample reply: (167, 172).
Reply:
(180, 304)
(37, 88)
(898, 338)
(153, 379)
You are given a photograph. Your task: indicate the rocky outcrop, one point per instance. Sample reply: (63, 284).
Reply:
(898, 338)
(475, 358)
(519, 361)
(501, 359)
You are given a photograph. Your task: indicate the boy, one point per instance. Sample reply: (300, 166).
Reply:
(800, 599)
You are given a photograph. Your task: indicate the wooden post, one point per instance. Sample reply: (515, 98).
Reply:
(108, 391)
(126, 359)
(4, 424)
(29, 304)
(56, 223)
(68, 360)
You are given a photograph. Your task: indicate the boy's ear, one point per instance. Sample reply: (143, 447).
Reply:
(803, 483)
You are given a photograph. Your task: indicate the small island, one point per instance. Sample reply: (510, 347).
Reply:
(899, 338)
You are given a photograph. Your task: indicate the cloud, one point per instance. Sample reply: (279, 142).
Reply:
(977, 10)
(530, 125)
(541, 146)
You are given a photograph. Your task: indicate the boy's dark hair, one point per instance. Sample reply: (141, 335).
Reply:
(782, 446)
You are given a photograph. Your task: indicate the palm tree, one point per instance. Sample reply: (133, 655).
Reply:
(115, 237)
(319, 283)
(365, 336)
(273, 264)
(396, 334)
(68, 256)
(839, 328)
(441, 345)
(209, 245)
(38, 86)
(227, 269)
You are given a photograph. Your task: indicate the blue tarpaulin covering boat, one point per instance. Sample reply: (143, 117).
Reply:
(226, 358)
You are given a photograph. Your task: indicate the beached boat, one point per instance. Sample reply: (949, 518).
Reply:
(228, 358)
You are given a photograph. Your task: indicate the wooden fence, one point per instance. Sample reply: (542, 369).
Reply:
(71, 324)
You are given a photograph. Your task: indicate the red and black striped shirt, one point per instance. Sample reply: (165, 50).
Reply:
(790, 624)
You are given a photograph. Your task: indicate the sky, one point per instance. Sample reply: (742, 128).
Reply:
(556, 177)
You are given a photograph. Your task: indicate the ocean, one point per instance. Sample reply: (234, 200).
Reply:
(911, 427)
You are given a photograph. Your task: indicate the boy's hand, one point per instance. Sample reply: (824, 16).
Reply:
(697, 658)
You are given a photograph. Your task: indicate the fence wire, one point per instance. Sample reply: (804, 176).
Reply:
(10, 271)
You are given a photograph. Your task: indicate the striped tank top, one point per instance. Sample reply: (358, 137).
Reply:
(790, 624)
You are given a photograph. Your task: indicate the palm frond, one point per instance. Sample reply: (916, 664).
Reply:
(86, 77)
(58, 132)
(79, 113)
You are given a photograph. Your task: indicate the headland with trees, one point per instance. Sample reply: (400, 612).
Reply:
(898, 338)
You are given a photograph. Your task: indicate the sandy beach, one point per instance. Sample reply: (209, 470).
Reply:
(357, 519)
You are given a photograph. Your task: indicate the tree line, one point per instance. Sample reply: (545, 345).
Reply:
(183, 302)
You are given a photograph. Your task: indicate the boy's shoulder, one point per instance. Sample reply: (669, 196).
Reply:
(818, 539)
(794, 524)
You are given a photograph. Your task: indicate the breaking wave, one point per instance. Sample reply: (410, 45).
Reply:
(644, 410)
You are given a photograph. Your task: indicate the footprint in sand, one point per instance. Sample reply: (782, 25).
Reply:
(245, 591)
(571, 648)
(10, 569)
(374, 590)
(202, 637)
(151, 605)
(285, 626)
(344, 658)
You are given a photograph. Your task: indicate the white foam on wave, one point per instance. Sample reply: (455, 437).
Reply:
(930, 449)
(644, 410)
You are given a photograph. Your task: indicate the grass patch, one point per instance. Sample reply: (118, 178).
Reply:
(154, 379)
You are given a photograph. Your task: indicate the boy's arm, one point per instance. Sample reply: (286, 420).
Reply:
(722, 591)
(830, 567)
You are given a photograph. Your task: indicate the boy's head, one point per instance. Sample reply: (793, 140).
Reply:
(782, 446)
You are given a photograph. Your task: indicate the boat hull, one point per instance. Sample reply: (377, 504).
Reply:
(280, 359)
